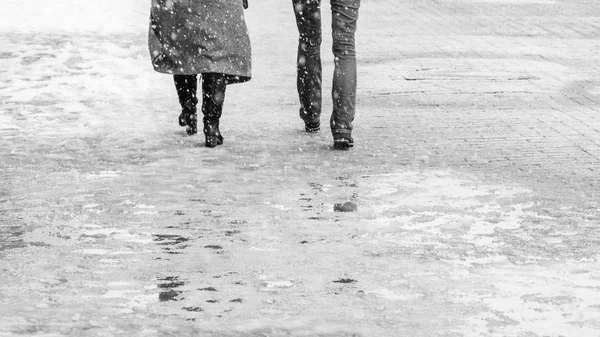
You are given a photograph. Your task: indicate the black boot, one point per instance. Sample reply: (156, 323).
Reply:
(213, 96)
(186, 86)
(188, 117)
(212, 134)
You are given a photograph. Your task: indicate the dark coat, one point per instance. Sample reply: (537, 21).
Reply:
(200, 36)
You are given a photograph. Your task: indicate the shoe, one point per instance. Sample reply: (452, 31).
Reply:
(183, 117)
(342, 141)
(189, 121)
(312, 127)
(187, 118)
(192, 125)
(212, 135)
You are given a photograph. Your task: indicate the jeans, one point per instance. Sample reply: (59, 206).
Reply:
(309, 76)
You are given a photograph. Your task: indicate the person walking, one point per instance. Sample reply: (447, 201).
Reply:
(309, 70)
(209, 38)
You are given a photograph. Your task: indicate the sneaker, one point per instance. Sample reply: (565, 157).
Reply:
(312, 127)
(342, 141)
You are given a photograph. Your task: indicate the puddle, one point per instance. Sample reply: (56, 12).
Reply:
(193, 309)
(168, 286)
(169, 239)
(345, 207)
(345, 280)
(208, 289)
(11, 237)
(171, 243)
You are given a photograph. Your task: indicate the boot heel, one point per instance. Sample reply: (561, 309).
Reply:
(183, 116)
(212, 135)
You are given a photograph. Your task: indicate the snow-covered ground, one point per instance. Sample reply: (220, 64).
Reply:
(113, 222)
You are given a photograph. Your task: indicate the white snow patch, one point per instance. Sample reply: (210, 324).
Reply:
(118, 284)
(519, 1)
(145, 206)
(92, 251)
(144, 213)
(119, 293)
(103, 252)
(103, 175)
(263, 249)
(135, 238)
(121, 252)
(6, 123)
(394, 295)
(277, 206)
(106, 17)
(278, 284)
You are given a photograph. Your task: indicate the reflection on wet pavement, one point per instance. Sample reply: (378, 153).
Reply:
(168, 285)
(208, 289)
(170, 244)
(345, 207)
(344, 280)
(232, 232)
(325, 198)
(193, 309)
(168, 240)
(11, 237)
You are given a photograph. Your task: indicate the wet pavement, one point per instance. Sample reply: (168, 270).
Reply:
(469, 206)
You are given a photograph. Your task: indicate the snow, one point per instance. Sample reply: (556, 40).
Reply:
(68, 16)
(111, 208)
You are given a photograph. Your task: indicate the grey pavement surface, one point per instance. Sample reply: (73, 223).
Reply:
(474, 176)
(506, 86)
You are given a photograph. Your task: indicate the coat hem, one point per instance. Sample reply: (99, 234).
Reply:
(231, 78)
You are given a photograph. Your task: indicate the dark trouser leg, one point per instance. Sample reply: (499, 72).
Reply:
(213, 97)
(308, 20)
(345, 17)
(186, 86)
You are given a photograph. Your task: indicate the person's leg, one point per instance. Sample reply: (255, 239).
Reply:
(309, 69)
(213, 97)
(186, 86)
(344, 22)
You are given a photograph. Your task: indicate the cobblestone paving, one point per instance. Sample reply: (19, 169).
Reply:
(506, 86)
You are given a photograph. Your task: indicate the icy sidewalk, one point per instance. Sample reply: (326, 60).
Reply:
(175, 246)
(476, 204)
